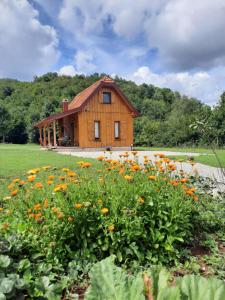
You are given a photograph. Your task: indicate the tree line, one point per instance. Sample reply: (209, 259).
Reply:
(165, 118)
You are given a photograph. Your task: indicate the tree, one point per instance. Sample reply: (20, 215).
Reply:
(4, 122)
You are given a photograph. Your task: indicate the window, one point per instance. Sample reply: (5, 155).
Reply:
(97, 129)
(106, 97)
(117, 129)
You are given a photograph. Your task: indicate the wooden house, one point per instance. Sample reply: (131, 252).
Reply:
(98, 117)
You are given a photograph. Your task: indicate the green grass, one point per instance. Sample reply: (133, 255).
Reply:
(17, 159)
(209, 159)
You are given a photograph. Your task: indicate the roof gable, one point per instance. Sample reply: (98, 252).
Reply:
(81, 99)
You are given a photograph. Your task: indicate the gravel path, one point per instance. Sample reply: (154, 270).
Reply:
(197, 169)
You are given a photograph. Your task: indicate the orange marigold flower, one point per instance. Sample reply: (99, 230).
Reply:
(71, 174)
(135, 168)
(161, 155)
(11, 186)
(100, 158)
(62, 178)
(37, 206)
(195, 198)
(46, 203)
(14, 193)
(57, 189)
(152, 177)
(184, 180)
(63, 186)
(55, 209)
(111, 228)
(174, 183)
(49, 182)
(51, 177)
(86, 165)
(38, 185)
(189, 192)
(128, 177)
(31, 178)
(16, 180)
(21, 183)
(104, 210)
(37, 216)
(78, 205)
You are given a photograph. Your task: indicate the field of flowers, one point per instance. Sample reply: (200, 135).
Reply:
(65, 219)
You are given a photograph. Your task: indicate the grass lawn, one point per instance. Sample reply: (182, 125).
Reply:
(209, 158)
(16, 159)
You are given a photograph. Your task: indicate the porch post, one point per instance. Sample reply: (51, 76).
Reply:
(40, 133)
(54, 134)
(44, 136)
(49, 141)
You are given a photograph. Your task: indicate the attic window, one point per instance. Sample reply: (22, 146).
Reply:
(106, 97)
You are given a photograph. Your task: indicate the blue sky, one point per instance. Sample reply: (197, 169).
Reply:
(178, 44)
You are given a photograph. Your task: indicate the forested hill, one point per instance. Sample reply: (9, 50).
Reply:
(165, 115)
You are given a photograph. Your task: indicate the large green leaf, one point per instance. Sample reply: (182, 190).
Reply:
(109, 282)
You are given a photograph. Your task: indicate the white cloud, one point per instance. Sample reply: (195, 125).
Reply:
(84, 62)
(206, 86)
(27, 47)
(187, 33)
(67, 70)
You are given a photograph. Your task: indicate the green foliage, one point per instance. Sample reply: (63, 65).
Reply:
(165, 115)
(109, 282)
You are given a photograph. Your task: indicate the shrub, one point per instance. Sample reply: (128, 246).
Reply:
(140, 213)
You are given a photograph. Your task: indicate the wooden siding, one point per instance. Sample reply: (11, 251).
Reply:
(107, 114)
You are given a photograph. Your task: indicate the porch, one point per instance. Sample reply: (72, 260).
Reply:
(59, 132)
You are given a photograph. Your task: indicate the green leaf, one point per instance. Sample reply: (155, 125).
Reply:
(6, 286)
(4, 261)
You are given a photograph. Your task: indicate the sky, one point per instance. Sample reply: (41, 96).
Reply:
(179, 44)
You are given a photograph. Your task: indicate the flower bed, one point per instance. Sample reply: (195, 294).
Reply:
(140, 213)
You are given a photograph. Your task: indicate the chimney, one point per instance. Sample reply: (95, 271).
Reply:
(65, 105)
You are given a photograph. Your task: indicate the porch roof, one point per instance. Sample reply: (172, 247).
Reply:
(55, 117)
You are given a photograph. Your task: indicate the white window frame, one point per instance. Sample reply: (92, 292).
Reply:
(117, 130)
(97, 130)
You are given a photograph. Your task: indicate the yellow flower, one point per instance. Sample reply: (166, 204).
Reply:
(1, 208)
(78, 205)
(100, 201)
(31, 178)
(152, 177)
(111, 228)
(57, 189)
(14, 193)
(141, 200)
(16, 180)
(65, 170)
(128, 177)
(46, 168)
(104, 210)
(71, 174)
